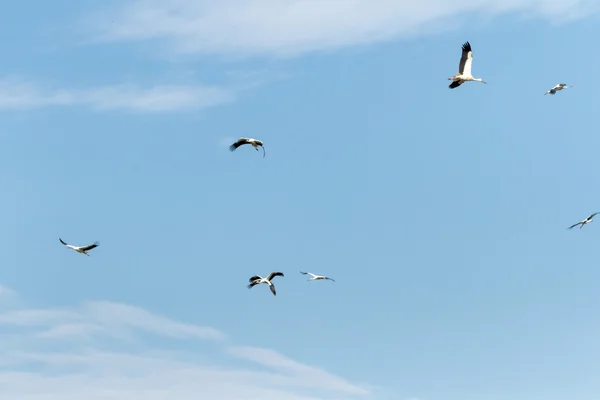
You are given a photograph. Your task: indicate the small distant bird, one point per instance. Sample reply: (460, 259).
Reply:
(316, 277)
(242, 141)
(257, 279)
(556, 88)
(82, 249)
(464, 68)
(585, 221)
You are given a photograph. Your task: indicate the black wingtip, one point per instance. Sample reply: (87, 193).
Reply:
(466, 46)
(454, 84)
(232, 147)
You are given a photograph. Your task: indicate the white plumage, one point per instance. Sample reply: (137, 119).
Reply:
(242, 141)
(556, 88)
(81, 249)
(316, 277)
(585, 221)
(464, 68)
(257, 279)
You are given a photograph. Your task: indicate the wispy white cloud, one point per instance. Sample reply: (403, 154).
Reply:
(18, 94)
(32, 317)
(89, 365)
(292, 27)
(115, 314)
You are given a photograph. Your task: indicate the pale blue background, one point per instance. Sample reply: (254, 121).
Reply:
(441, 214)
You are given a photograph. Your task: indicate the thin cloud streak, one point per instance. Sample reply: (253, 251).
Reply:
(101, 316)
(310, 375)
(6, 292)
(17, 94)
(294, 27)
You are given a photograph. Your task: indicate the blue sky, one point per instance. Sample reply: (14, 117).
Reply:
(441, 214)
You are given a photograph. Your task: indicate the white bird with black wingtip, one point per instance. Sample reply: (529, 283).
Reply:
(254, 142)
(464, 68)
(556, 88)
(81, 249)
(316, 277)
(585, 221)
(257, 279)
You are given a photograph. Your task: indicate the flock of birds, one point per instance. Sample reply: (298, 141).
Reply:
(463, 75)
(255, 280)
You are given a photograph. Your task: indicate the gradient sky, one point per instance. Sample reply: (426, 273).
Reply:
(440, 213)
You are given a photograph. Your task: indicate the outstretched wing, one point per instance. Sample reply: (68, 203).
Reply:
(62, 241)
(592, 216)
(251, 285)
(332, 280)
(238, 143)
(274, 274)
(307, 273)
(264, 152)
(254, 278)
(574, 225)
(91, 246)
(272, 287)
(455, 84)
(464, 67)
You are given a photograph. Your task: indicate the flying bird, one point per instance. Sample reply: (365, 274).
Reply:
(82, 249)
(242, 141)
(556, 88)
(585, 221)
(464, 68)
(316, 277)
(257, 279)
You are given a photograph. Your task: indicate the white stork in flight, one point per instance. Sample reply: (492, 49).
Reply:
(82, 249)
(257, 279)
(585, 221)
(464, 68)
(556, 88)
(242, 141)
(316, 277)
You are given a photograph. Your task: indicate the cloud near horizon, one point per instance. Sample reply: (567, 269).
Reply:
(101, 350)
(17, 94)
(289, 28)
